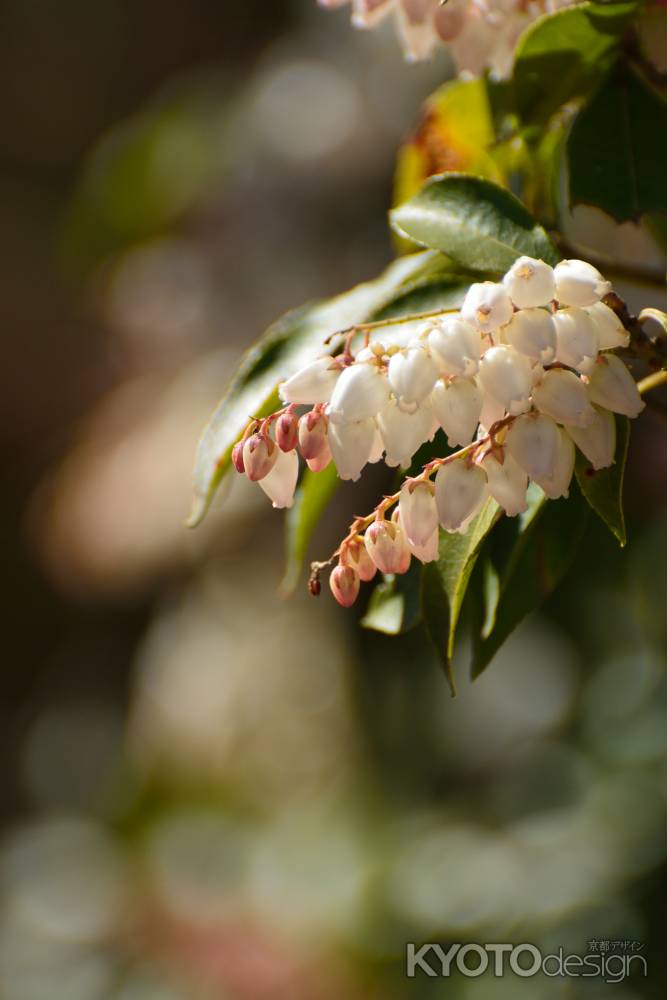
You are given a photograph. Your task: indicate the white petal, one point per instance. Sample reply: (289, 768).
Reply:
(418, 512)
(532, 441)
(576, 338)
(314, 383)
(280, 483)
(530, 283)
(412, 374)
(532, 332)
(563, 396)
(611, 332)
(506, 376)
(455, 346)
(507, 483)
(487, 306)
(460, 490)
(428, 552)
(557, 482)
(360, 392)
(611, 385)
(403, 433)
(579, 283)
(597, 441)
(457, 406)
(351, 445)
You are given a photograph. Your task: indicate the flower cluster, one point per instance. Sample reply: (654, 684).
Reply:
(479, 33)
(516, 378)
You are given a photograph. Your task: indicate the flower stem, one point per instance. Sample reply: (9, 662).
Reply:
(652, 382)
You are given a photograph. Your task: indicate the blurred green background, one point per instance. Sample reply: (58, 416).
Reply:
(208, 792)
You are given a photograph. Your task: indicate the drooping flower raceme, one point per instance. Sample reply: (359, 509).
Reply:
(479, 33)
(515, 379)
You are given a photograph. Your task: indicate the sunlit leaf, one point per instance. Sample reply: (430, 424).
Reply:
(617, 149)
(478, 224)
(563, 55)
(603, 488)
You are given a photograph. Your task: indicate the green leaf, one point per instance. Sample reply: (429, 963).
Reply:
(546, 542)
(394, 605)
(563, 55)
(312, 495)
(479, 225)
(617, 149)
(289, 344)
(445, 581)
(603, 488)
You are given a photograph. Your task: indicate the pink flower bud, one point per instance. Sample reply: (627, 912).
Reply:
(287, 431)
(259, 456)
(237, 457)
(344, 583)
(355, 556)
(387, 546)
(313, 434)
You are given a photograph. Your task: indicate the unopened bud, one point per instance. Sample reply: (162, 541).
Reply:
(611, 385)
(355, 555)
(579, 283)
(312, 433)
(237, 457)
(387, 546)
(287, 431)
(259, 456)
(344, 583)
(530, 283)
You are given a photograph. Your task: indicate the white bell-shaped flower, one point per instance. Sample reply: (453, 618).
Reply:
(487, 306)
(344, 584)
(530, 283)
(429, 551)
(351, 444)
(418, 512)
(562, 396)
(360, 393)
(597, 441)
(456, 406)
(507, 482)
(312, 384)
(532, 332)
(259, 456)
(460, 491)
(403, 433)
(611, 385)
(611, 332)
(532, 441)
(412, 373)
(377, 449)
(355, 555)
(576, 338)
(279, 484)
(506, 376)
(491, 413)
(387, 546)
(455, 346)
(556, 483)
(579, 283)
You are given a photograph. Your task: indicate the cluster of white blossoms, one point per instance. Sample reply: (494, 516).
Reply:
(479, 33)
(515, 379)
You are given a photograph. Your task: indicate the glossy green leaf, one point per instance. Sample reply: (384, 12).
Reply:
(546, 542)
(563, 55)
(445, 581)
(289, 344)
(476, 223)
(312, 496)
(394, 604)
(603, 488)
(625, 124)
